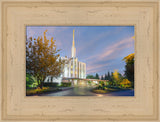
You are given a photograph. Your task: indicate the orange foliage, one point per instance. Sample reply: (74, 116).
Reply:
(42, 58)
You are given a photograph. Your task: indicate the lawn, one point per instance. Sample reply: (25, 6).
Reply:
(107, 90)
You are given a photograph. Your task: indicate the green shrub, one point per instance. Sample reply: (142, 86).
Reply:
(64, 84)
(30, 81)
(101, 87)
(126, 83)
(50, 84)
(39, 91)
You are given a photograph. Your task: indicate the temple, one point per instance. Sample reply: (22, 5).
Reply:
(73, 68)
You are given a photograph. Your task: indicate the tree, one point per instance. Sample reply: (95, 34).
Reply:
(129, 68)
(105, 77)
(109, 76)
(90, 77)
(117, 78)
(115, 75)
(30, 81)
(102, 78)
(42, 58)
(125, 83)
(97, 76)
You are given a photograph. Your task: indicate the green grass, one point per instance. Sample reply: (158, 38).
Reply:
(107, 90)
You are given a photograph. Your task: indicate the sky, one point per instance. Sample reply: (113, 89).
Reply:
(102, 48)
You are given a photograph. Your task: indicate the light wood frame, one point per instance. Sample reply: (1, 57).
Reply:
(17, 14)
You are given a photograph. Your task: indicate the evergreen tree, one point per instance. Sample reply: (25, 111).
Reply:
(97, 76)
(109, 76)
(105, 77)
(129, 68)
(102, 77)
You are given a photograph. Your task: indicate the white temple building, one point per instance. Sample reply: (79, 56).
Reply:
(73, 69)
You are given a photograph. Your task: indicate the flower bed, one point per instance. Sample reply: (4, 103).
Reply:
(38, 91)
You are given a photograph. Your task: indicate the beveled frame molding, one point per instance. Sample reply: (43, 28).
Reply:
(17, 14)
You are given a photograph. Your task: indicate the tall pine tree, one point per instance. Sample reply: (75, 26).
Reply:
(105, 77)
(97, 76)
(102, 77)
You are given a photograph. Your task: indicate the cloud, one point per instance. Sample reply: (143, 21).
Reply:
(112, 49)
(88, 44)
(91, 67)
(96, 70)
(99, 37)
(100, 48)
(109, 53)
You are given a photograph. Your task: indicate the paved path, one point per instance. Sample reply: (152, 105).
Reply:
(86, 91)
(76, 91)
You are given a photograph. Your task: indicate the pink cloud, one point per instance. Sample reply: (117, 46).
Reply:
(91, 67)
(110, 50)
(108, 53)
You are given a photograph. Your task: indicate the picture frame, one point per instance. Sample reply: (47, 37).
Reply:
(17, 14)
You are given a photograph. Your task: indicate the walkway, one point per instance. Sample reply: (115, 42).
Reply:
(86, 91)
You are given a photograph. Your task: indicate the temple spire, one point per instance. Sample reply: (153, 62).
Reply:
(73, 39)
(73, 50)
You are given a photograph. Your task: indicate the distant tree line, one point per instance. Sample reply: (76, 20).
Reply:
(107, 76)
(117, 79)
(96, 76)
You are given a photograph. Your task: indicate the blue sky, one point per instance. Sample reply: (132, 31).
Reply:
(102, 48)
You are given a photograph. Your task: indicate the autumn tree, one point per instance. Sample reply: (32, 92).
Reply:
(115, 75)
(129, 68)
(125, 83)
(42, 58)
(117, 78)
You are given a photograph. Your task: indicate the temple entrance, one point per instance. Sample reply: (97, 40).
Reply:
(82, 82)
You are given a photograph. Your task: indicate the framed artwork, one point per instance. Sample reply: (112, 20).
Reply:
(99, 61)
(79, 60)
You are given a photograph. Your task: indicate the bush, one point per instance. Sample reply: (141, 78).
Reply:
(64, 84)
(89, 82)
(101, 87)
(30, 81)
(39, 91)
(125, 83)
(50, 84)
(98, 91)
